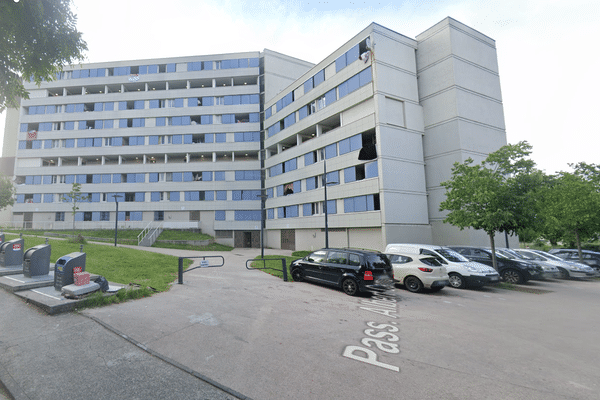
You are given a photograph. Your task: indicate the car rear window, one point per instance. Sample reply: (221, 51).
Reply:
(431, 261)
(337, 257)
(378, 261)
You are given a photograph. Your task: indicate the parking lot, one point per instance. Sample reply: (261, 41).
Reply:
(269, 339)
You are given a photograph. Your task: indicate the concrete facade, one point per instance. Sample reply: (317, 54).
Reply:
(196, 155)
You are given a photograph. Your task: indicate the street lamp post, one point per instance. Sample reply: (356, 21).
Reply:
(325, 202)
(116, 197)
(263, 196)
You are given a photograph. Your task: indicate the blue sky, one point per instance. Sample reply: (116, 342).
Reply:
(547, 49)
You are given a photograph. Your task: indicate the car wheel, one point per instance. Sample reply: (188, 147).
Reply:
(350, 287)
(457, 281)
(512, 276)
(413, 284)
(564, 274)
(297, 275)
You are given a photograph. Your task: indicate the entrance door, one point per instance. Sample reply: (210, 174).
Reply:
(288, 239)
(247, 239)
(27, 220)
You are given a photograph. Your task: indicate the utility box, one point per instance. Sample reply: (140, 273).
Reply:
(1, 238)
(11, 253)
(63, 269)
(36, 261)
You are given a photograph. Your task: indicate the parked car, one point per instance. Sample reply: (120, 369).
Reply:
(352, 270)
(512, 271)
(591, 258)
(416, 272)
(461, 271)
(566, 268)
(549, 271)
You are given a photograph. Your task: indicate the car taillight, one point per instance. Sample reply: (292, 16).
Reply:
(368, 276)
(426, 269)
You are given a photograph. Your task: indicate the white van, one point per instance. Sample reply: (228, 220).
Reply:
(462, 272)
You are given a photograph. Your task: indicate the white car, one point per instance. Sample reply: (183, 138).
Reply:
(416, 272)
(461, 271)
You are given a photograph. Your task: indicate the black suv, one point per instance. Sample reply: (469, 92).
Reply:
(512, 271)
(590, 258)
(352, 270)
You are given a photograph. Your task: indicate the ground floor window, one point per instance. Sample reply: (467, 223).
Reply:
(59, 216)
(159, 215)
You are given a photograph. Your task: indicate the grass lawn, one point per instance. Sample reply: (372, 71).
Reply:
(117, 264)
(273, 267)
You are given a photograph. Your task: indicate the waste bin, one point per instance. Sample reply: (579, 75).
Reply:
(36, 261)
(11, 253)
(63, 269)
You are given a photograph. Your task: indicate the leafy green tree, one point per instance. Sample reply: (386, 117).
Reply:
(37, 37)
(495, 195)
(570, 208)
(75, 197)
(7, 192)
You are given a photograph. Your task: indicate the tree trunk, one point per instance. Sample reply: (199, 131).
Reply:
(494, 262)
(579, 246)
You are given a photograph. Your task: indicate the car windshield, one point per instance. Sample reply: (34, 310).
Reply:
(552, 257)
(505, 254)
(378, 261)
(530, 256)
(452, 255)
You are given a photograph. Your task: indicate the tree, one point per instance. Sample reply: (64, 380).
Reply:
(36, 38)
(75, 197)
(7, 192)
(570, 208)
(494, 195)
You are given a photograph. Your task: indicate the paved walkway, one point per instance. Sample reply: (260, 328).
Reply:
(83, 355)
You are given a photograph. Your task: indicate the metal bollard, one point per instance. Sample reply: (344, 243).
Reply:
(180, 280)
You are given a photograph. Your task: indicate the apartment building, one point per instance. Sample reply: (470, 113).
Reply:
(225, 143)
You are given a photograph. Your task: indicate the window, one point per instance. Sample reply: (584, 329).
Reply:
(87, 216)
(195, 215)
(104, 216)
(159, 215)
(59, 216)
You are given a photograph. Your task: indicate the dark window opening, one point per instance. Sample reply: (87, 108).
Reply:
(87, 216)
(89, 179)
(194, 215)
(87, 107)
(159, 215)
(130, 197)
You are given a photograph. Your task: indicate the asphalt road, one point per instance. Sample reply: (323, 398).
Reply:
(268, 339)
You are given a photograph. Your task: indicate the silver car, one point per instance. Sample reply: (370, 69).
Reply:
(567, 269)
(550, 270)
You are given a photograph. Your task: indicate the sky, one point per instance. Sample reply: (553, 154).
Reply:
(547, 49)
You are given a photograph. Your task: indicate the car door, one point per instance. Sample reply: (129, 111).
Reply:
(482, 256)
(335, 266)
(313, 264)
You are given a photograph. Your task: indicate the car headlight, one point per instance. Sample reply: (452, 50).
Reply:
(471, 268)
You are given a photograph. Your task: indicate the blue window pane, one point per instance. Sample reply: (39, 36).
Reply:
(187, 139)
(330, 151)
(364, 76)
(330, 97)
(319, 77)
(270, 213)
(153, 69)
(220, 137)
(138, 105)
(81, 178)
(69, 143)
(209, 196)
(82, 125)
(192, 102)
(254, 117)
(177, 139)
(209, 138)
(174, 196)
(370, 203)
(238, 137)
(221, 195)
(333, 178)
(24, 127)
(178, 103)
(47, 179)
(122, 123)
(254, 99)
(331, 207)
(122, 105)
(177, 177)
(160, 121)
(267, 113)
(117, 141)
(206, 119)
(371, 170)
(208, 101)
(311, 183)
(289, 120)
(219, 215)
(303, 112)
(343, 89)
(236, 195)
(308, 85)
(340, 63)
(98, 124)
(95, 197)
(153, 103)
(140, 178)
(108, 124)
(171, 67)
(349, 174)
(279, 190)
(152, 140)
(207, 176)
(349, 205)
(280, 212)
(356, 142)
(155, 196)
(344, 146)
(20, 198)
(360, 204)
(29, 180)
(153, 177)
(105, 178)
(219, 175)
(306, 209)
(188, 177)
(109, 106)
(353, 84)
(96, 178)
(48, 197)
(352, 55)
(253, 62)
